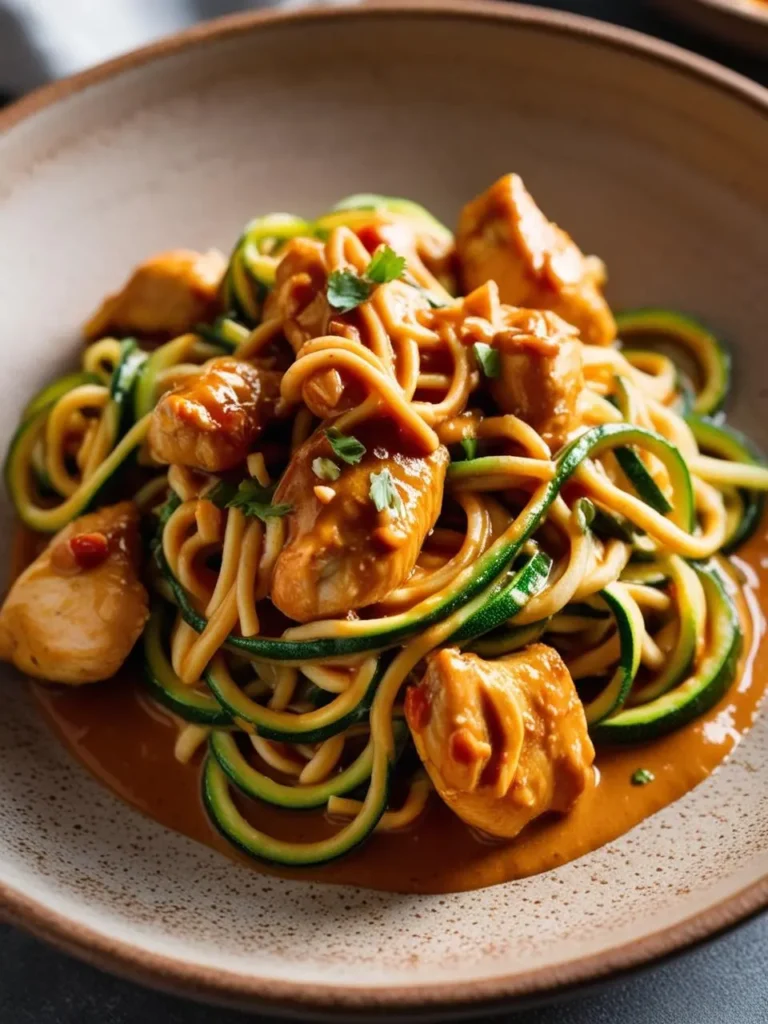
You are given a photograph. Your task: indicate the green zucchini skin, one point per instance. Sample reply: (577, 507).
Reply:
(391, 204)
(232, 825)
(509, 598)
(249, 274)
(710, 353)
(226, 333)
(51, 520)
(488, 568)
(166, 687)
(255, 784)
(505, 641)
(334, 717)
(52, 392)
(642, 481)
(696, 694)
(629, 623)
(692, 616)
(728, 443)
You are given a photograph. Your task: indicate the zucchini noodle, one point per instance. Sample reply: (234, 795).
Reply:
(603, 543)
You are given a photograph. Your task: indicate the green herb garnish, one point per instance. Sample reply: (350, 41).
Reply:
(642, 777)
(469, 444)
(347, 289)
(345, 447)
(251, 498)
(385, 266)
(166, 510)
(326, 469)
(383, 492)
(488, 359)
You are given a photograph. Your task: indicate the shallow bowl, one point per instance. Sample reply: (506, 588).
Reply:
(651, 157)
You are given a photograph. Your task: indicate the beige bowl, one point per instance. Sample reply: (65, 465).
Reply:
(653, 158)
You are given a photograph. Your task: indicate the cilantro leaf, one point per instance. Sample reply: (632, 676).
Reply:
(642, 777)
(345, 447)
(488, 359)
(256, 501)
(166, 510)
(385, 266)
(383, 492)
(326, 469)
(469, 444)
(346, 290)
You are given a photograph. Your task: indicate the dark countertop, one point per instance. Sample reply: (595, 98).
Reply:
(723, 982)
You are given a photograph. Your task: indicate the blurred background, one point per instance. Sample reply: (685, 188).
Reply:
(45, 39)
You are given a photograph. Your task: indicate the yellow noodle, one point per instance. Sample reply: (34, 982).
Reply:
(390, 821)
(191, 737)
(272, 754)
(323, 762)
(247, 572)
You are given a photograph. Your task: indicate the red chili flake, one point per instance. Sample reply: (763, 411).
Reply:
(418, 709)
(370, 236)
(89, 549)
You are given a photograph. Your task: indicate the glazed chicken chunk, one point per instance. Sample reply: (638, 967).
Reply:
(540, 372)
(75, 613)
(211, 423)
(503, 741)
(167, 295)
(298, 297)
(342, 553)
(504, 237)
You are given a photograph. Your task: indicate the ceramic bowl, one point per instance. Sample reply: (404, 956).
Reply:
(652, 158)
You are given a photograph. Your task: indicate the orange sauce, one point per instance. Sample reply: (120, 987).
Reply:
(117, 732)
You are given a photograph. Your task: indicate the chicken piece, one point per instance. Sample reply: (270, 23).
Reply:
(167, 295)
(299, 294)
(540, 372)
(503, 741)
(212, 422)
(342, 554)
(504, 237)
(75, 613)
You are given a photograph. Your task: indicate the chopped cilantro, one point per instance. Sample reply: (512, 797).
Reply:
(251, 497)
(326, 469)
(347, 289)
(469, 444)
(166, 510)
(345, 447)
(642, 777)
(385, 266)
(383, 492)
(488, 359)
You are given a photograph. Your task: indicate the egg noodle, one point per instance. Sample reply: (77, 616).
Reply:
(610, 548)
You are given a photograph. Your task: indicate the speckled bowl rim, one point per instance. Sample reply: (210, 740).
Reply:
(247, 990)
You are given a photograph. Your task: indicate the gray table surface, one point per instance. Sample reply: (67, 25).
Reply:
(722, 982)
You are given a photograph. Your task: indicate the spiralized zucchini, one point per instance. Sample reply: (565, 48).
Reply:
(606, 549)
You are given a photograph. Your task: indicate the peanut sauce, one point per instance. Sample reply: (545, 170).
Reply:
(127, 742)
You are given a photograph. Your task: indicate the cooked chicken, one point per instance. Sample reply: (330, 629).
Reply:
(504, 237)
(167, 295)
(299, 293)
(343, 554)
(212, 422)
(540, 373)
(503, 741)
(75, 613)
